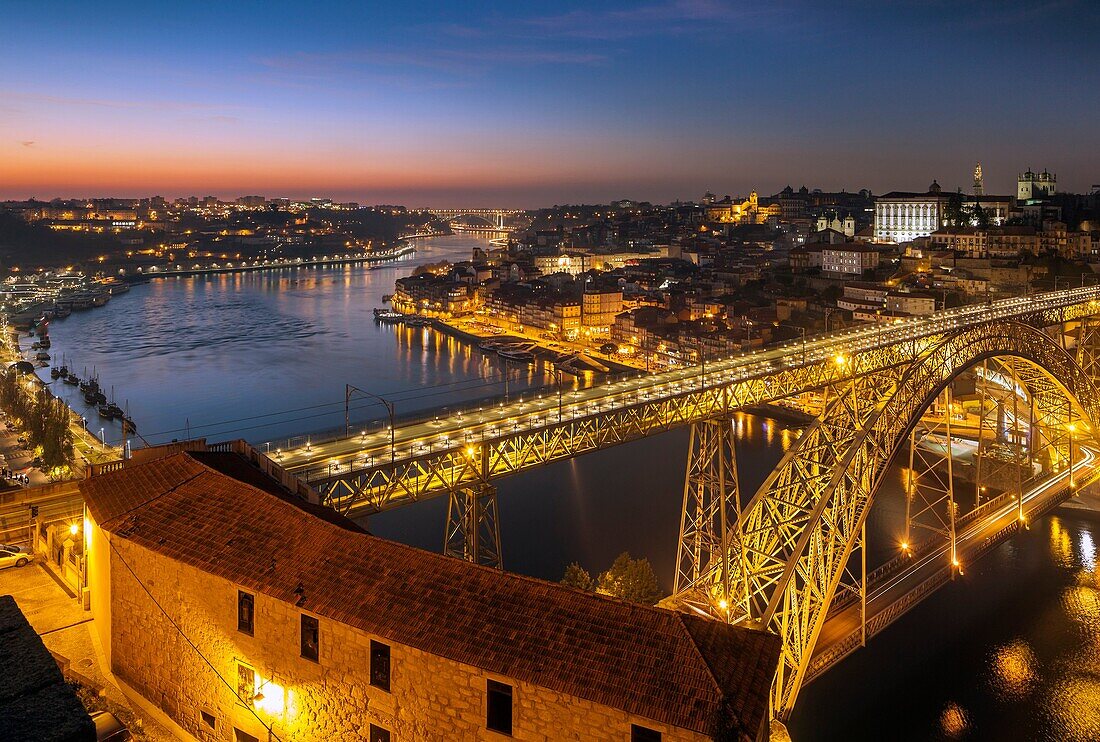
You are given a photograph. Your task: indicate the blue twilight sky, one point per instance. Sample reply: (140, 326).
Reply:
(527, 104)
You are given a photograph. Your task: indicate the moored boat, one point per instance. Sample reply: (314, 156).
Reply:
(516, 355)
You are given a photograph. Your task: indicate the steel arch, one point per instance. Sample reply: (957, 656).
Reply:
(798, 531)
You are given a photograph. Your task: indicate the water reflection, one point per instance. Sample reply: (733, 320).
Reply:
(1013, 670)
(1010, 652)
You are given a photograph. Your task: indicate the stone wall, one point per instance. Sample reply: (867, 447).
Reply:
(432, 698)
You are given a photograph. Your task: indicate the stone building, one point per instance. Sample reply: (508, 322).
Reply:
(848, 259)
(902, 216)
(246, 613)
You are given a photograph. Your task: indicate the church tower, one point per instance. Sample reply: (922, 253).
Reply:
(979, 181)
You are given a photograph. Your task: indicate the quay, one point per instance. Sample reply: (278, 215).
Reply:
(378, 256)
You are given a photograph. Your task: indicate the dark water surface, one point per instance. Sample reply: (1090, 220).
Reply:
(1010, 651)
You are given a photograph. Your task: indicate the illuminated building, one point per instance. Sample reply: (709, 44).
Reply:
(243, 611)
(749, 211)
(849, 258)
(1031, 187)
(599, 307)
(902, 216)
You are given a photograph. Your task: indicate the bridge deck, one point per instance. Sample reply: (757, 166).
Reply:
(431, 456)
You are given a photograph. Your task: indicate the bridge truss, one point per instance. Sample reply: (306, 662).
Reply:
(791, 546)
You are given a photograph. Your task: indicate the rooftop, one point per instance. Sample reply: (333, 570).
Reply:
(35, 701)
(215, 516)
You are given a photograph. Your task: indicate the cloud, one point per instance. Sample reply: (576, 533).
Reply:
(158, 105)
(453, 62)
(657, 19)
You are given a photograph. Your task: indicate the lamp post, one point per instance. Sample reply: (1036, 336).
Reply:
(1071, 427)
(558, 370)
(348, 389)
(801, 330)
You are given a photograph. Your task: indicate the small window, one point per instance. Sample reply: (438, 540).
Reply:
(208, 719)
(246, 604)
(380, 665)
(310, 637)
(498, 707)
(643, 734)
(243, 736)
(246, 683)
(378, 734)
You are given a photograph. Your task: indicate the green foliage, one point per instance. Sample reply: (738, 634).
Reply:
(630, 579)
(43, 418)
(954, 215)
(578, 577)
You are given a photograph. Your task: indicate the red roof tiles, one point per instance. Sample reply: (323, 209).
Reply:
(674, 668)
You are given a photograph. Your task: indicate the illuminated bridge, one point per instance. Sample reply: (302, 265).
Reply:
(790, 556)
(495, 219)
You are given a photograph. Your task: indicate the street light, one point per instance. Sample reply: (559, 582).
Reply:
(1071, 427)
(348, 389)
(801, 330)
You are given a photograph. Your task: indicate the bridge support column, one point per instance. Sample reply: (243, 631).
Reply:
(1000, 461)
(930, 488)
(473, 530)
(711, 509)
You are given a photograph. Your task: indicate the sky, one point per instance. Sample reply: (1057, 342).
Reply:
(528, 104)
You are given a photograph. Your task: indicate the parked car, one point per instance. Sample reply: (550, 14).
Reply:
(108, 728)
(15, 556)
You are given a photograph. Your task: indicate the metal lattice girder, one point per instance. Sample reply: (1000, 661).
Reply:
(370, 478)
(473, 530)
(711, 506)
(1088, 347)
(1004, 429)
(798, 531)
(930, 482)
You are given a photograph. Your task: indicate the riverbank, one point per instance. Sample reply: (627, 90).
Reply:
(378, 256)
(87, 449)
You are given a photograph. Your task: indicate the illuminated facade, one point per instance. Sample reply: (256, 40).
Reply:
(246, 613)
(749, 211)
(1032, 187)
(902, 216)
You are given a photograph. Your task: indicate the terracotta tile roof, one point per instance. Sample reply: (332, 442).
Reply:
(654, 663)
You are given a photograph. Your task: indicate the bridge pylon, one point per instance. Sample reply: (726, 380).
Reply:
(711, 508)
(473, 530)
(930, 485)
(1004, 431)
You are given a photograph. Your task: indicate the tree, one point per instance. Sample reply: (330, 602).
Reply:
(578, 577)
(953, 213)
(630, 579)
(979, 217)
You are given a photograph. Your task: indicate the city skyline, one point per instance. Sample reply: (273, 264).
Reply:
(435, 105)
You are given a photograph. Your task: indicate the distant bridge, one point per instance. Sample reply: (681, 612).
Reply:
(495, 219)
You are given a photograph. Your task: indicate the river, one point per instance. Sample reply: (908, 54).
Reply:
(1009, 651)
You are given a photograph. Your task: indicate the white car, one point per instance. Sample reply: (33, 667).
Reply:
(15, 556)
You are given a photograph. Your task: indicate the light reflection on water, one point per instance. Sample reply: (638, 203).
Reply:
(1010, 652)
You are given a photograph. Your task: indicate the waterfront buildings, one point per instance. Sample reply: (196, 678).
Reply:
(243, 611)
